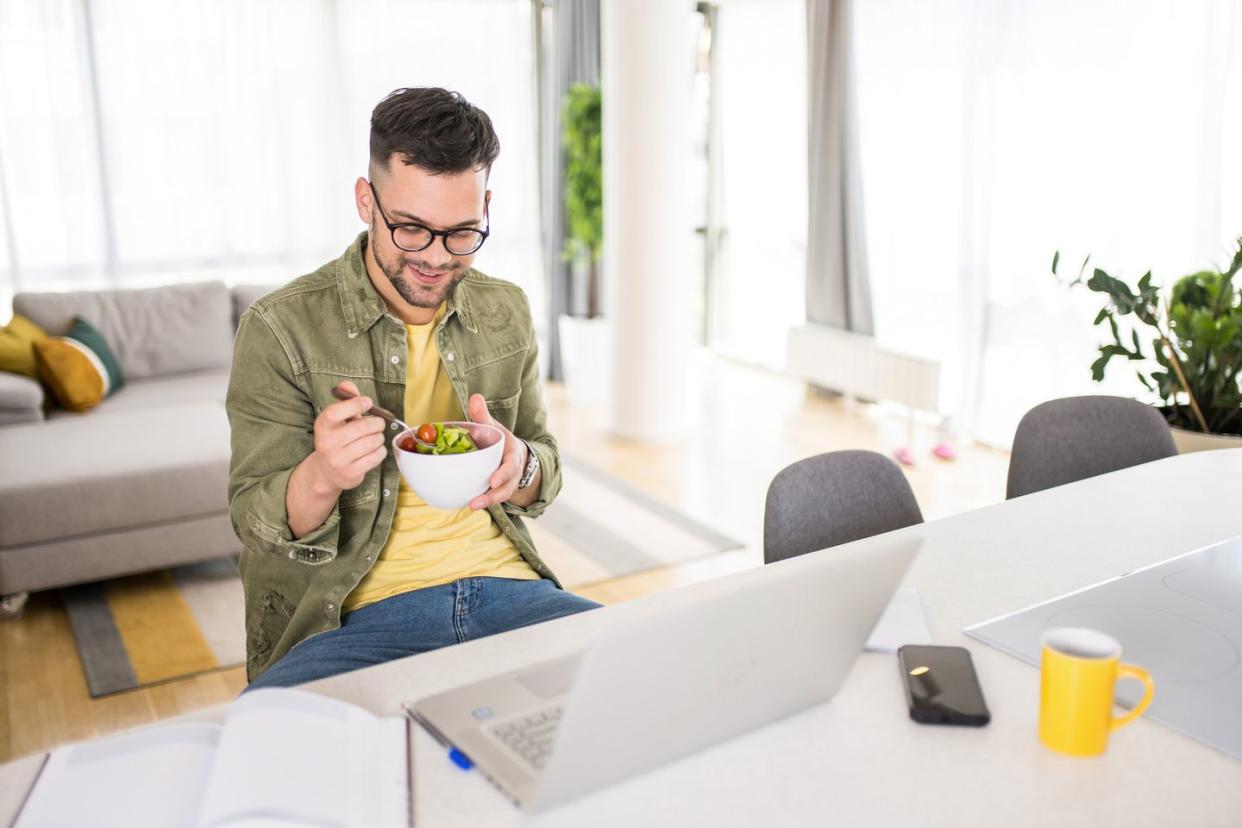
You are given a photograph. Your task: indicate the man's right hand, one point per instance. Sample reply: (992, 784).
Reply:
(347, 444)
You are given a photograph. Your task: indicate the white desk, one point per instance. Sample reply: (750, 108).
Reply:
(859, 760)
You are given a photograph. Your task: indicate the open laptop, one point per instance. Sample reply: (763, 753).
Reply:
(672, 674)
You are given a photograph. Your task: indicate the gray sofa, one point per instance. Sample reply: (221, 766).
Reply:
(139, 482)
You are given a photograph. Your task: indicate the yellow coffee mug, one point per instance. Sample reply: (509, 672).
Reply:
(1080, 668)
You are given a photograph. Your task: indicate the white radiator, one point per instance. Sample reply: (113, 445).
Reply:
(855, 365)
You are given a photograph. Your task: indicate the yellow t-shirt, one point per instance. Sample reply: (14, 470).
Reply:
(427, 547)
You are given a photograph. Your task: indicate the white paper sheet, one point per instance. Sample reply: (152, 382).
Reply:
(288, 757)
(154, 777)
(283, 758)
(903, 622)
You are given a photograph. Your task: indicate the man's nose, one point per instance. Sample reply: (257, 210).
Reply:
(437, 256)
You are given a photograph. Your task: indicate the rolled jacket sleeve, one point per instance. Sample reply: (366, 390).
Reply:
(532, 426)
(272, 422)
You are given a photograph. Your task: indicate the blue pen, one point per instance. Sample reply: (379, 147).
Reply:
(460, 759)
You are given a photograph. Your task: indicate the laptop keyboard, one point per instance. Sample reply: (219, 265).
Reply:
(530, 735)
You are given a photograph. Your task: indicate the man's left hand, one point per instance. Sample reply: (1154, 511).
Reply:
(505, 479)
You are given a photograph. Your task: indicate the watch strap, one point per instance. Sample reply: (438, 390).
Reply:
(532, 467)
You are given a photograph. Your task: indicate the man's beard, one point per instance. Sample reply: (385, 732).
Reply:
(414, 293)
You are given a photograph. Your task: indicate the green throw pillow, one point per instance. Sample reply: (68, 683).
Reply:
(79, 367)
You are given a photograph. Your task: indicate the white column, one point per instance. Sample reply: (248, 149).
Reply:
(647, 66)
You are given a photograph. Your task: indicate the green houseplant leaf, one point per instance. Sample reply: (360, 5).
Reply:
(1196, 338)
(582, 137)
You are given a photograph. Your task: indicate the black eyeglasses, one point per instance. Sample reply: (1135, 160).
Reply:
(412, 237)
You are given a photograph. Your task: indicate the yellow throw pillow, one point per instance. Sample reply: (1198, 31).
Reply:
(17, 341)
(78, 367)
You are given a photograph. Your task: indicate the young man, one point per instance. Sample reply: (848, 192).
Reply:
(343, 565)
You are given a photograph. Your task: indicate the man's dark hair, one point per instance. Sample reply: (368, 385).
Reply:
(432, 128)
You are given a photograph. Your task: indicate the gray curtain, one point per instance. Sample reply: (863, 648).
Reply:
(837, 289)
(568, 54)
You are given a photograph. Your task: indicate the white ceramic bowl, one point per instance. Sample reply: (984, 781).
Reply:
(451, 481)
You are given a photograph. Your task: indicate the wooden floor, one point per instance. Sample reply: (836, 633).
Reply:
(748, 424)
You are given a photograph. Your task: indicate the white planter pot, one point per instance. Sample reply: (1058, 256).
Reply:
(586, 359)
(1187, 441)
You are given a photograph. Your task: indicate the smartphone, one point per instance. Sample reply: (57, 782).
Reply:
(941, 685)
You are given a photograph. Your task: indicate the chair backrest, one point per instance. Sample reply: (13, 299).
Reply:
(1070, 439)
(835, 498)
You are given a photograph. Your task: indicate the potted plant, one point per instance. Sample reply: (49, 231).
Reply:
(1195, 336)
(584, 338)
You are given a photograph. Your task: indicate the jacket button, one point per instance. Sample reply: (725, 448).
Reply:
(393, 426)
(395, 359)
(331, 606)
(386, 493)
(449, 356)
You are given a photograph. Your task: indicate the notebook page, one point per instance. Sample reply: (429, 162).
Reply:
(288, 757)
(154, 777)
(379, 791)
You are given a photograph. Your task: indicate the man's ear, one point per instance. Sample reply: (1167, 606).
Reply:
(362, 200)
(487, 199)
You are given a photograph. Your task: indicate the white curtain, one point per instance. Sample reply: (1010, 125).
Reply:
(47, 142)
(994, 134)
(758, 287)
(232, 131)
(837, 289)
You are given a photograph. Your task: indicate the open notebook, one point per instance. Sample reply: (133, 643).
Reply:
(281, 758)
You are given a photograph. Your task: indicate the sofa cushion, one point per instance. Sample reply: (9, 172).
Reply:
(21, 399)
(246, 295)
(199, 386)
(78, 367)
(152, 331)
(17, 341)
(74, 476)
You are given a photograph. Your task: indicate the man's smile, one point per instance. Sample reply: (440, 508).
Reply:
(430, 279)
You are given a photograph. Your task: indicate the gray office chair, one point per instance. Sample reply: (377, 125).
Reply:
(1065, 440)
(835, 498)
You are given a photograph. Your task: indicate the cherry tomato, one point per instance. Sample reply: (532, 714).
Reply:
(408, 444)
(427, 433)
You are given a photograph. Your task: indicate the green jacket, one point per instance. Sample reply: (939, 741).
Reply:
(292, 347)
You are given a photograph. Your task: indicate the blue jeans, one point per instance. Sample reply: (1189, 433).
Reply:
(422, 620)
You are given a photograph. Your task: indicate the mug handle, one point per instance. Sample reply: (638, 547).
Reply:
(1135, 672)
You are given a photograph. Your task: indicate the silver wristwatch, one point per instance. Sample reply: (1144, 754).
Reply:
(532, 467)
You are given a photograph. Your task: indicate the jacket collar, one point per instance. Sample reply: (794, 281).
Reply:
(363, 306)
(459, 303)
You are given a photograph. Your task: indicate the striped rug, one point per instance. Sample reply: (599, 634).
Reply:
(158, 626)
(161, 626)
(601, 527)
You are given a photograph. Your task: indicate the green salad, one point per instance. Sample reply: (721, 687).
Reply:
(438, 438)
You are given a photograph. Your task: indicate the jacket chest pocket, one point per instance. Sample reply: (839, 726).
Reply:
(499, 379)
(485, 355)
(504, 409)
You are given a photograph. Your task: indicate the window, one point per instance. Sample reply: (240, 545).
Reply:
(996, 133)
(759, 87)
(168, 139)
